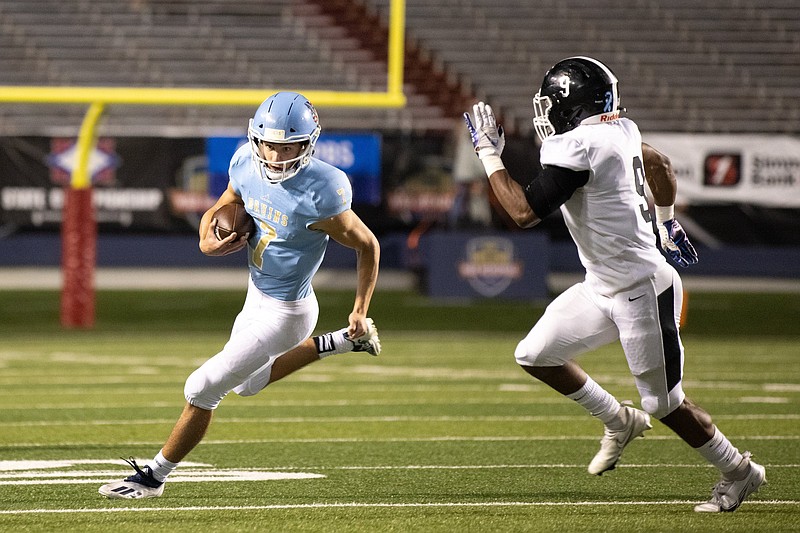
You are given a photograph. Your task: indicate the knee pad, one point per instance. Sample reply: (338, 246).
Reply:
(650, 406)
(202, 392)
(252, 386)
(655, 401)
(530, 352)
(657, 407)
(521, 354)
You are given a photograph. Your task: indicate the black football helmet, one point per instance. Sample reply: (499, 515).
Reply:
(577, 90)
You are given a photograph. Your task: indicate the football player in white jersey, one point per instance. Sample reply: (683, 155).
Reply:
(298, 202)
(594, 168)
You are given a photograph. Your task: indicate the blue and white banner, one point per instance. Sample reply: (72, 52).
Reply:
(357, 154)
(492, 265)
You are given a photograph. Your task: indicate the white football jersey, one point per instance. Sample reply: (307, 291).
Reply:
(608, 217)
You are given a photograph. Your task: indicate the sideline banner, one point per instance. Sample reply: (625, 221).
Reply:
(357, 154)
(492, 265)
(133, 181)
(150, 184)
(749, 169)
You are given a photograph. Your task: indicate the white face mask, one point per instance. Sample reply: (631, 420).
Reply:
(541, 116)
(278, 171)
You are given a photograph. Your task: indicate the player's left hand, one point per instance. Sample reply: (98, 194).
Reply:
(357, 325)
(675, 242)
(487, 137)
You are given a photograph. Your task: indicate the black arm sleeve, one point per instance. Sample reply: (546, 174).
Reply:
(552, 187)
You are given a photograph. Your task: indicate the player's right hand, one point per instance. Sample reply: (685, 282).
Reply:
(675, 242)
(214, 247)
(487, 137)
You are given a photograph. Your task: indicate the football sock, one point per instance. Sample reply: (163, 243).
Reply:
(333, 343)
(721, 453)
(599, 403)
(161, 468)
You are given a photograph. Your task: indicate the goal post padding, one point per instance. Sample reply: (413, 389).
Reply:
(78, 257)
(79, 231)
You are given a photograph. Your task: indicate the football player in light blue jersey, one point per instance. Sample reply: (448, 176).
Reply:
(298, 203)
(594, 170)
(286, 250)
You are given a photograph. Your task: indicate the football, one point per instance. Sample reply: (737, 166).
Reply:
(233, 218)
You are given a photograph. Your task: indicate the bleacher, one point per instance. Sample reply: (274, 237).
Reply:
(269, 44)
(716, 66)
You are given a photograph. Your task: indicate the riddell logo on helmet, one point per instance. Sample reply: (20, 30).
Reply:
(608, 117)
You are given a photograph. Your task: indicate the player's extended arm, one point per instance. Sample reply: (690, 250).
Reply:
(489, 140)
(349, 230)
(512, 197)
(209, 244)
(528, 205)
(661, 179)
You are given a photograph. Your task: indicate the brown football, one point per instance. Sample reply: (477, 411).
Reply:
(233, 218)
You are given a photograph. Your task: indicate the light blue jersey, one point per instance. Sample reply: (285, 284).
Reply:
(284, 254)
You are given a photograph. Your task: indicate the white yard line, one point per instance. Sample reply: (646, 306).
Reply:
(362, 505)
(357, 420)
(228, 442)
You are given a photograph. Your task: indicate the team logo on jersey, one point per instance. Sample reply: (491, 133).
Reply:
(489, 266)
(722, 170)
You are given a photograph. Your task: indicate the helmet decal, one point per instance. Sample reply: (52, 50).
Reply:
(564, 82)
(609, 102)
(274, 134)
(313, 112)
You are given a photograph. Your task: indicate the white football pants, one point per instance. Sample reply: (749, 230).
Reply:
(264, 329)
(645, 319)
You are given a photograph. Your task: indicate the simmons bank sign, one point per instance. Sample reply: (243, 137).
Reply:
(752, 169)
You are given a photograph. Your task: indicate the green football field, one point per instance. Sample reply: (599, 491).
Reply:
(441, 432)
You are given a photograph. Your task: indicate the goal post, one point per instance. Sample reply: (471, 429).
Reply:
(79, 226)
(79, 232)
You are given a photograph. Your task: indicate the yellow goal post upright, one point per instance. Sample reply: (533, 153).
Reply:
(79, 226)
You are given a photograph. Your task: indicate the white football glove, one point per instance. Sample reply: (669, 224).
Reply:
(487, 137)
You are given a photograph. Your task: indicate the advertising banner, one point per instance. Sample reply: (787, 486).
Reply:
(759, 170)
(468, 265)
(150, 184)
(133, 180)
(357, 154)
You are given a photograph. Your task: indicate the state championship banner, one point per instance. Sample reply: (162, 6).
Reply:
(150, 183)
(749, 169)
(138, 183)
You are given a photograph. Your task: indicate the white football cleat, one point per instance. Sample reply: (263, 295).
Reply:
(614, 441)
(728, 494)
(368, 342)
(142, 484)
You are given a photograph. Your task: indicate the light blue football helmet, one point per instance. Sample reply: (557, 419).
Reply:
(284, 117)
